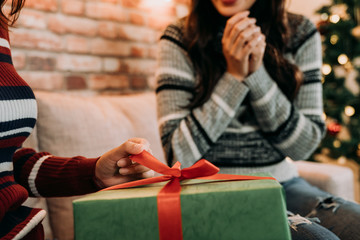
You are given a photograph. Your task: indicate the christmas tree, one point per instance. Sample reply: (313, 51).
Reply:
(340, 30)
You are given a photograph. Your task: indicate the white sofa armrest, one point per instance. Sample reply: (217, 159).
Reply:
(337, 180)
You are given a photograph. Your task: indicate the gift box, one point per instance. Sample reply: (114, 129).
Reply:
(210, 209)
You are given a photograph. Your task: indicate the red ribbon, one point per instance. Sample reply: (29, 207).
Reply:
(168, 199)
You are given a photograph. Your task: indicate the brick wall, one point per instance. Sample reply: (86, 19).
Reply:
(91, 46)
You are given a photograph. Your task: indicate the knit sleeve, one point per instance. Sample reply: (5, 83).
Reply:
(187, 135)
(297, 128)
(44, 175)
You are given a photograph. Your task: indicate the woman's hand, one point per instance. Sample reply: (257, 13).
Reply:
(115, 166)
(240, 39)
(257, 55)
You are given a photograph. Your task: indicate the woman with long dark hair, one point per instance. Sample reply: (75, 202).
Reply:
(24, 172)
(239, 84)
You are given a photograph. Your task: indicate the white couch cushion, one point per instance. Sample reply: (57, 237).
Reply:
(69, 125)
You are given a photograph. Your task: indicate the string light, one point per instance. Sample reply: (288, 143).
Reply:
(326, 69)
(337, 144)
(334, 39)
(334, 18)
(349, 111)
(324, 16)
(343, 59)
(341, 160)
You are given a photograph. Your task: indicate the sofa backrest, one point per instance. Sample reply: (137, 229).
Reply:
(70, 125)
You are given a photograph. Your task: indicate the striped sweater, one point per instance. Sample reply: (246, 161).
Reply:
(247, 126)
(25, 172)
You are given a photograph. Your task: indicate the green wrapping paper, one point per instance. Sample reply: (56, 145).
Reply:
(216, 210)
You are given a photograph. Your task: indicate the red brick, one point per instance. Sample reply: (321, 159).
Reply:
(77, 44)
(79, 63)
(106, 81)
(158, 7)
(32, 19)
(111, 64)
(131, 3)
(76, 25)
(76, 82)
(136, 33)
(44, 63)
(106, 11)
(45, 5)
(18, 58)
(139, 66)
(73, 7)
(43, 80)
(110, 48)
(26, 38)
(139, 51)
(138, 82)
(186, 2)
(108, 29)
(137, 18)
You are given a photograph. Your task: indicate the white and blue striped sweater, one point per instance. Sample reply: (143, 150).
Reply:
(247, 126)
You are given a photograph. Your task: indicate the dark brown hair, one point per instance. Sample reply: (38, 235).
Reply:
(16, 6)
(202, 30)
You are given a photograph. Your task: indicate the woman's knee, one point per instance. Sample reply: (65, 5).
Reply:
(308, 228)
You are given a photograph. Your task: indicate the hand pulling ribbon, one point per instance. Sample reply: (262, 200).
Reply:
(168, 199)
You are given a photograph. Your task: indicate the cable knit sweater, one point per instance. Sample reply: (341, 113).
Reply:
(26, 172)
(247, 126)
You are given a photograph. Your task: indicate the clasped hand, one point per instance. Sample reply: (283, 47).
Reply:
(243, 45)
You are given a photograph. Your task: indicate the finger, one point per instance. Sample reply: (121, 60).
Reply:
(259, 49)
(249, 48)
(242, 30)
(233, 20)
(131, 146)
(138, 176)
(133, 169)
(244, 37)
(124, 162)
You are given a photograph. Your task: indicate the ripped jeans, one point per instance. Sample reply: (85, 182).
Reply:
(315, 214)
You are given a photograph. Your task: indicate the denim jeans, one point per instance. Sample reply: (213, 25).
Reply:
(315, 214)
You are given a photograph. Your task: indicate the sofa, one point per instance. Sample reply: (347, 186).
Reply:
(70, 125)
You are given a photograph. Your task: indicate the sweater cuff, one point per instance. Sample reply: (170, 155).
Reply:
(259, 83)
(231, 90)
(87, 166)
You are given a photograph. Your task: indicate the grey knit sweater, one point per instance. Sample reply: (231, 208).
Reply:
(247, 126)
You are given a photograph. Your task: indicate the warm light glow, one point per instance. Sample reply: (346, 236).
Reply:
(337, 143)
(334, 18)
(349, 111)
(334, 39)
(324, 16)
(343, 59)
(326, 69)
(158, 6)
(341, 160)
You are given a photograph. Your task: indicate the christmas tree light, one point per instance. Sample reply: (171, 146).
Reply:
(340, 29)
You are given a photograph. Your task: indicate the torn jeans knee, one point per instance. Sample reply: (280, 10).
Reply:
(297, 220)
(328, 203)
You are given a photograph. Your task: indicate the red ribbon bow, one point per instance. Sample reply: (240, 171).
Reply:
(168, 199)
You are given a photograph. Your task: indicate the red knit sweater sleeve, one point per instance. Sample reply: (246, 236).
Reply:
(48, 176)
